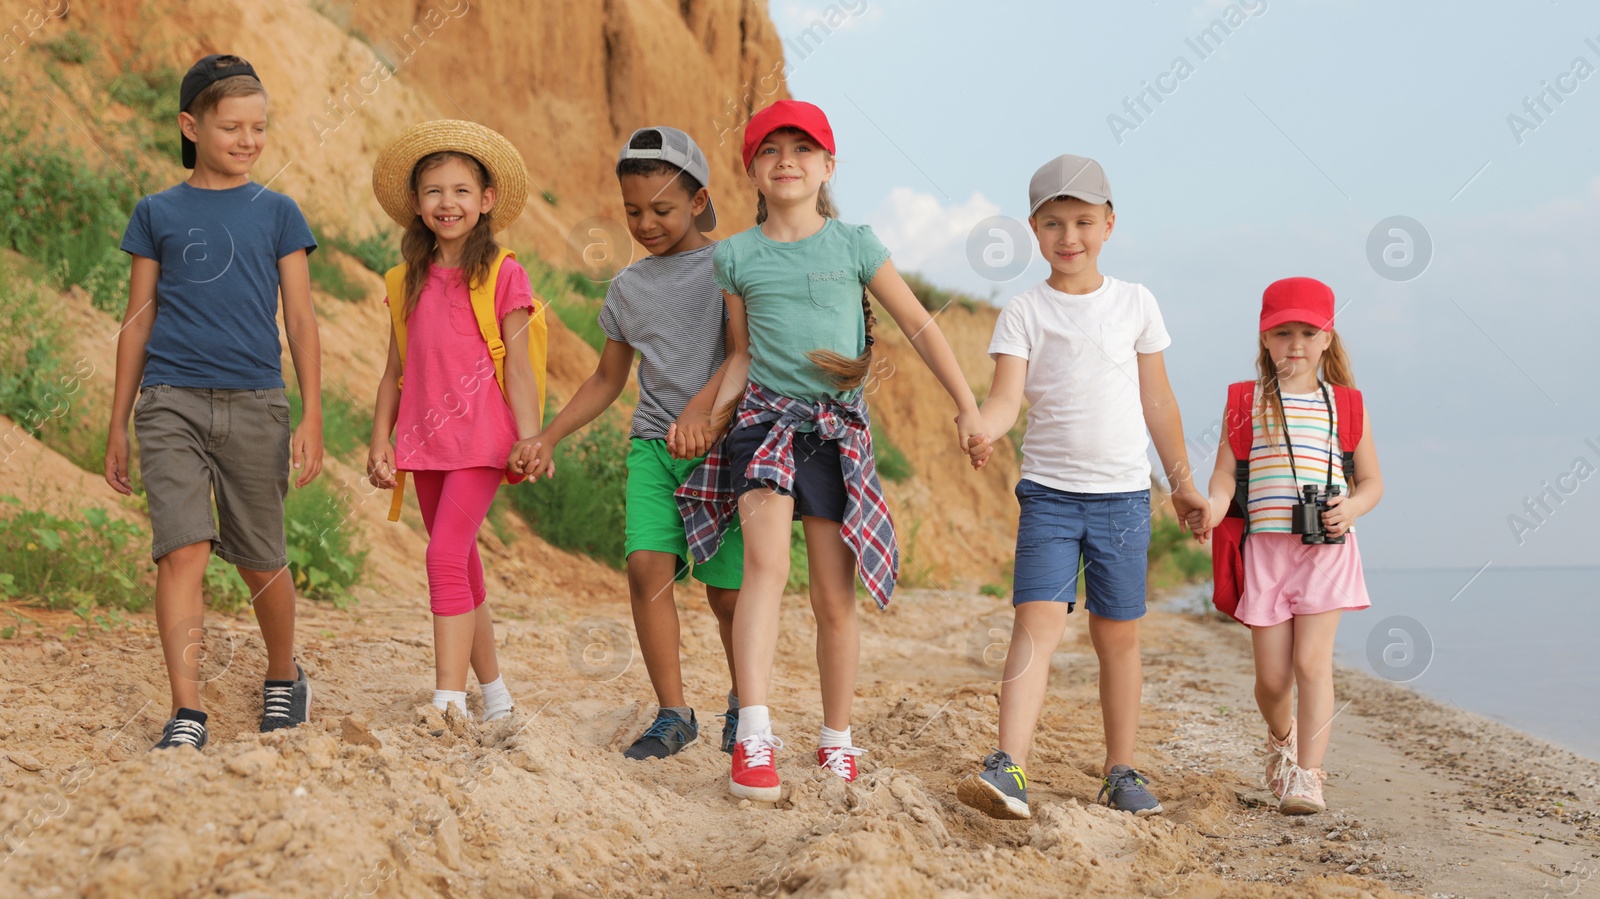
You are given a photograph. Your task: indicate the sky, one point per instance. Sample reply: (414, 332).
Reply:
(1435, 163)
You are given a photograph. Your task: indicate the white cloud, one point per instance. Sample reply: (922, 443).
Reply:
(929, 236)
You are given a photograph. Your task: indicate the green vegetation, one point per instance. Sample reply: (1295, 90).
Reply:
(995, 590)
(346, 424)
(73, 563)
(892, 463)
(581, 507)
(72, 48)
(322, 557)
(934, 298)
(378, 253)
(66, 215)
(1173, 556)
(153, 95)
(575, 298)
(331, 280)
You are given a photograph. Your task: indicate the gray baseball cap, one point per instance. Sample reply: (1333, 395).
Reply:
(679, 149)
(1068, 176)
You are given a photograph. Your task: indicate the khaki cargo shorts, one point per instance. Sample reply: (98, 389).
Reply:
(195, 442)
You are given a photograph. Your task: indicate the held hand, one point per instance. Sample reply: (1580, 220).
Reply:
(117, 453)
(1193, 510)
(1337, 520)
(968, 424)
(522, 457)
(541, 460)
(691, 436)
(380, 466)
(306, 451)
(978, 449)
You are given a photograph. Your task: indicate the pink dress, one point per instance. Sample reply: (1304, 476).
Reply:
(452, 413)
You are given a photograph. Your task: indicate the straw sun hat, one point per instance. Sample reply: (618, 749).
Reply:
(391, 174)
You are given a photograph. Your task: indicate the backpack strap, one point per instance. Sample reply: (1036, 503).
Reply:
(394, 286)
(484, 310)
(1240, 423)
(1352, 415)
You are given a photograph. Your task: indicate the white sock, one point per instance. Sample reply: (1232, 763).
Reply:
(733, 701)
(831, 738)
(754, 719)
(443, 698)
(496, 699)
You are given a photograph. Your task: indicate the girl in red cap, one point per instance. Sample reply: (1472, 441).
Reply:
(1309, 470)
(800, 446)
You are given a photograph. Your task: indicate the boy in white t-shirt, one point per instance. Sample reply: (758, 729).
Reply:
(1085, 350)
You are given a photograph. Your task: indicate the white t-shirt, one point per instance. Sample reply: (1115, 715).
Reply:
(1086, 431)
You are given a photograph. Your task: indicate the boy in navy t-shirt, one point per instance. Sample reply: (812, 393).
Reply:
(199, 342)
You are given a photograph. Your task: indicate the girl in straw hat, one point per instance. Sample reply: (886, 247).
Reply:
(452, 185)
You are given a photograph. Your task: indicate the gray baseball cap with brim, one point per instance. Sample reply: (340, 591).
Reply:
(1068, 176)
(679, 149)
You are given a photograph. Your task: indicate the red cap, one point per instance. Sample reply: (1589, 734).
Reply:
(1297, 300)
(786, 114)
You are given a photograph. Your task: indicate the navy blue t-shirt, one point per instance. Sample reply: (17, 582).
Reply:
(217, 298)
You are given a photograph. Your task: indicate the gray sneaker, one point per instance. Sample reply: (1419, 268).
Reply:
(188, 728)
(286, 703)
(1124, 790)
(999, 791)
(669, 735)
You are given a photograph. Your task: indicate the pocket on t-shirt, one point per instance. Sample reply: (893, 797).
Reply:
(462, 319)
(830, 289)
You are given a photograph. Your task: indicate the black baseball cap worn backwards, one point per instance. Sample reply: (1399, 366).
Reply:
(200, 76)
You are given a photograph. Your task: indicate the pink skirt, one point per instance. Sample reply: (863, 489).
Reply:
(1284, 578)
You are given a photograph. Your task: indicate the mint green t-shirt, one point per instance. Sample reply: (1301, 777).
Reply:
(798, 297)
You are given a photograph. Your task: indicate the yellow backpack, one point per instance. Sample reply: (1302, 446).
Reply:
(394, 282)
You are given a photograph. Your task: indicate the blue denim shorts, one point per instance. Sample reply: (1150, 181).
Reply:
(1109, 532)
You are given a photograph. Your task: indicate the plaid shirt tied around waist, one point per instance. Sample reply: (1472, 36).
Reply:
(708, 505)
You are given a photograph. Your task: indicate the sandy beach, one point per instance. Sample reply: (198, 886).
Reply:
(381, 796)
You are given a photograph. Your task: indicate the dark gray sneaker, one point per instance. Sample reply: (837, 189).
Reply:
(669, 735)
(730, 730)
(1124, 790)
(187, 729)
(286, 703)
(999, 791)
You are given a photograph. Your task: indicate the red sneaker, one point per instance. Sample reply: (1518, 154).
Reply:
(841, 760)
(755, 775)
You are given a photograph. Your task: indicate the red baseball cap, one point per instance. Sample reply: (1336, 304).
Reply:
(1297, 300)
(786, 114)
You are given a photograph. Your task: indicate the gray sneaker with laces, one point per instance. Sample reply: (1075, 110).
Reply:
(188, 728)
(1124, 790)
(1000, 790)
(286, 703)
(670, 734)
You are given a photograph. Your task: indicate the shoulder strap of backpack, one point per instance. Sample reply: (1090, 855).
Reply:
(488, 323)
(1352, 423)
(1240, 426)
(394, 285)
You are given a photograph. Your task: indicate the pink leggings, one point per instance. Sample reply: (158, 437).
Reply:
(454, 504)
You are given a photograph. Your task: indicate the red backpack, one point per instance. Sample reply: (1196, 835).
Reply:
(1227, 538)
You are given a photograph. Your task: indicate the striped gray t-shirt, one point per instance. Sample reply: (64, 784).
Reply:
(669, 309)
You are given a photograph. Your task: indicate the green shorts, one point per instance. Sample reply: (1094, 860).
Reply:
(653, 521)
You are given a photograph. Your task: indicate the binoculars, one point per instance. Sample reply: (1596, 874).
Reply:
(1306, 515)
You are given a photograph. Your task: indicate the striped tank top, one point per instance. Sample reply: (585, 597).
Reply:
(1273, 485)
